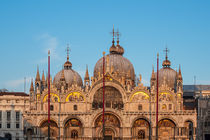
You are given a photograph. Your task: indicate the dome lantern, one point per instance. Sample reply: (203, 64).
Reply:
(166, 62)
(67, 74)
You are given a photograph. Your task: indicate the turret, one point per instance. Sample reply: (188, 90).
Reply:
(87, 78)
(179, 80)
(32, 90)
(37, 81)
(43, 83)
(153, 78)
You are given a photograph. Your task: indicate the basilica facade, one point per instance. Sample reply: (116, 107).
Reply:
(130, 107)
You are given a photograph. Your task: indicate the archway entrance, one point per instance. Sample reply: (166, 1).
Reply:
(53, 129)
(166, 129)
(112, 126)
(140, 129)
(189, 126)
(73, 129)
(29, 134)
(8, 136)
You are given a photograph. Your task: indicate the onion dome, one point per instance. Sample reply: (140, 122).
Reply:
(167, 75)
(115, 63)
(68, 74)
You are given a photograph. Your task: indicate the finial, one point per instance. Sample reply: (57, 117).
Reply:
(166, 62)
(166, 50)
(118, 36)
(113, 35)
(104, 53)
(67, 50)
(48, 52)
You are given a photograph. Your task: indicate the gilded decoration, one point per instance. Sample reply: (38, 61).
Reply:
(166, 123)
(75, 96)
(139, 96)
(53, 98)
(164, 96)
(141, 123)
(110, 120)
(73, 123)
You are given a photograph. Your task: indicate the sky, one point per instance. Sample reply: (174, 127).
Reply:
(28, 29)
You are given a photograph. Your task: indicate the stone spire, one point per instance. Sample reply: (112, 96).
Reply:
(153, 74)
(43, 77)
(37, 75)
(87, 78)
(180, 73)
(32, 86)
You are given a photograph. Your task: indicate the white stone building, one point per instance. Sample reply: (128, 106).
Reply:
(12, 106)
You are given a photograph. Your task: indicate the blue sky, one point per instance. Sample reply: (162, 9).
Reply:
(29, 28)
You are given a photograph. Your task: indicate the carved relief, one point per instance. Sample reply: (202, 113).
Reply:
(165, 97)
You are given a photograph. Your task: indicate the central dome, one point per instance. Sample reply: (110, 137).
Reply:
(115, 63)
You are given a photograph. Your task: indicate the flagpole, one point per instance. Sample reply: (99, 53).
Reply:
(157, 97)
(103, 93)
(49, 95)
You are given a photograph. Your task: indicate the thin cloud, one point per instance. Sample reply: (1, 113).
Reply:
(49, 43)
(18, 83)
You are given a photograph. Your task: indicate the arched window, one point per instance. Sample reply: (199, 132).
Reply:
(75, 107)
(8, 136)
(164, 107)
(51, 107)
(74, 134)
(141, 134)
(140, 107)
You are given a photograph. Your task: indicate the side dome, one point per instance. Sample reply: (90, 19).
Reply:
(115, 64)
(167, 75)
(67, 75)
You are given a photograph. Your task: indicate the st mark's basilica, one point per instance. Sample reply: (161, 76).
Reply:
(130, 107)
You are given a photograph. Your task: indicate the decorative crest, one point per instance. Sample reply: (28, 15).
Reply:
(166, 51)
(113, 34)
(67, 51)
(118, 34)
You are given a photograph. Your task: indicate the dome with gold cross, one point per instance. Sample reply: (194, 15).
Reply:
(67, 75)
(115, 63)
(167, 75)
